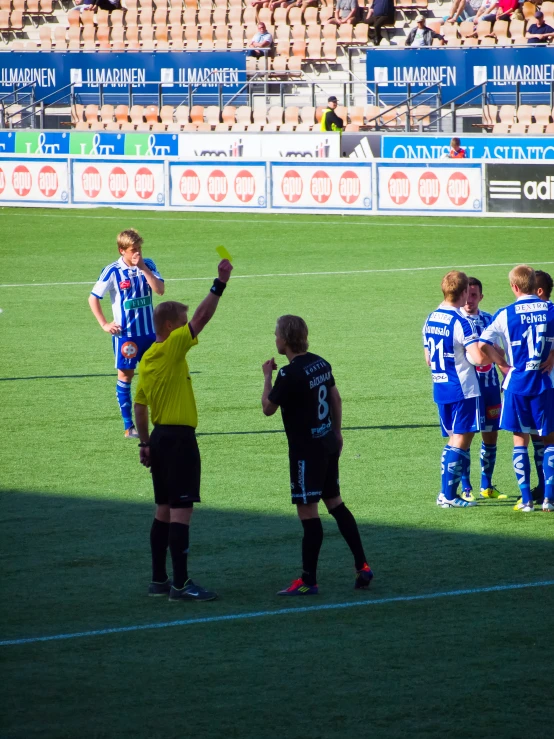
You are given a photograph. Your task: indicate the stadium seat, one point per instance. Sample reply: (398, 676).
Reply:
(489, 114)
(372, 115)
(275, 114)
(518, 128)
(420, 116)
(211, 113)
(525, 114)
(197, 114)
(507, 113)
(483, 29)
(535, 128)
(529, 10)
(243, 115)
(136, 114)
(292, 115)
(44, 33)
(501, 128)
(542, 114)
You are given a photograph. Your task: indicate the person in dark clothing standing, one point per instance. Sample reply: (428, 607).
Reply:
(330, 120)
(380, 13)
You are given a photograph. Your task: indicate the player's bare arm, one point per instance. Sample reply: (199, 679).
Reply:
(268, 368)
(427, 357)
(205, 311)
(155, 283)
(492, 356)
(335, 401)
(548, 365)
(110, 327)
(141, 422)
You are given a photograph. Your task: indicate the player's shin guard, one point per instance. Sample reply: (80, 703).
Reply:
(311, 544)
(349, 530)
(466, 472)
(549, 473)
(159, 541)
(522, 469)
(451, 468)
(538, 454)
(123, 393)
(488, 461)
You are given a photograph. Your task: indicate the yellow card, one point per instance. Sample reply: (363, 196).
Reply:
(223, 253)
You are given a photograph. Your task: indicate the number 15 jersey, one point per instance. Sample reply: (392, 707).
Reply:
(446, 334)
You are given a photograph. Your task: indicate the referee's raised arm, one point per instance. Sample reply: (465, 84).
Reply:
(207, 307)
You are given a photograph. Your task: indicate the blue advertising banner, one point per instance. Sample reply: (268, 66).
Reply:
(7, 142)
(459, 70)
(421, 148)
(117, 71)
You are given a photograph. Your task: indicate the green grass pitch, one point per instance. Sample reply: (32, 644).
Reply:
(77, 506)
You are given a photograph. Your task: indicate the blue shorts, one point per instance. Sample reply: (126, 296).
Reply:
(528, 414)
(129, 350)
(491, 405)
(462, 417)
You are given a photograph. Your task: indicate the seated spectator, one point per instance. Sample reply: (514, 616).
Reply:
(82, 5)
(305, 4)
(347, 11)
(260, 40)
(487, 6)
(108, 5)
(282, 3)
(330, 120)
(380, 13)
(462, 10)
(539, 32)
(260, 4)
(456, 151)
(503, 12)
(421, 35)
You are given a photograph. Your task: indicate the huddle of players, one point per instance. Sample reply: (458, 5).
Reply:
(463, 347)
(304, 390)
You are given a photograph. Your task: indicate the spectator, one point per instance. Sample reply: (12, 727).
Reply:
(82, 5)
(305, 4)
(282, 3)
(487, 6)
(456, 151)
(421, 35)
(539, 32)
(260, 4)
(108, 5)
(503, 12)
(347, 11)
(261, 40)
(330, 120)
(462, 10)
(380, 13)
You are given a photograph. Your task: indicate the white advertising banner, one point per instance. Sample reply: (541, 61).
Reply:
(329, 186)
(33, 180)
(448, 187)
(259, 146)
(217, 184)
(118, 182)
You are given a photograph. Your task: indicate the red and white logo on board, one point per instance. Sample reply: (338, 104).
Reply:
(189, 186)
(92, 182)
(292, 186)
(399, 188)
(458, 188)
(2, 181)
(349, 187)
(48, 181)
(217, 186)
(321, 186)
(429, 188)
(245, 186)
(118, 182)
(144, 183)
(22, 180)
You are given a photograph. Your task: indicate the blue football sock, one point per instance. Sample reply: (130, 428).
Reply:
(522, 468)
(443, 476)
(538, 448)
(549, 473)
(466, 471)
(123, 393)
(488, 460)
(451, 468)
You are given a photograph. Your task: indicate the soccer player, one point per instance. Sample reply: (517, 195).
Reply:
(130, 280)
(447, 337)
(311, 408)
(490, 399)
(527, 331)
(171, 451)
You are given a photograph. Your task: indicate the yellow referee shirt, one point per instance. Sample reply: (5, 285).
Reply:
(164, 381)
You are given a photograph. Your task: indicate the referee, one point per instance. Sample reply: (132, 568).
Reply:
(171, 451)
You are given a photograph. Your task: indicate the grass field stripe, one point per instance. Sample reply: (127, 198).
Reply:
(277, 612)
(286, 274)
(344, 222)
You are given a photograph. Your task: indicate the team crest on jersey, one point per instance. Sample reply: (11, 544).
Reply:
(493, 411)
(125, 284)
(129, 349)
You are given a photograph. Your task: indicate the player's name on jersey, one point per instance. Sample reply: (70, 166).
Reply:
(440, 330)
(438, 317)
(315, 381)
(135, 303)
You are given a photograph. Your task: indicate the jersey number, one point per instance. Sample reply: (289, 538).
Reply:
(436, 348)
(323, 407)
(535, 350)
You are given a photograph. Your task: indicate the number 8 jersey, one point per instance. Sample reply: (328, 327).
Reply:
(526, 330)
(446, 334)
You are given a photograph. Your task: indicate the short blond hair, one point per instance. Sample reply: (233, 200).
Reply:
(294, 332)
(453, 284)
(169, 310)
(129, 238)
(523, 277)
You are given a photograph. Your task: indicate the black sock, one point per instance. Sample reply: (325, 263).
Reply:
(349, 529)
(311, 544)
(159, 539)
(179, 548)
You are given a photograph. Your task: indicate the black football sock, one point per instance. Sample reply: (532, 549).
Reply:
(179, 548)
(349, 529)
(311, 544)
(159, 540)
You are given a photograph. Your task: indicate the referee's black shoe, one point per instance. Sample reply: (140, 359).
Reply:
(159, 588)
(191, 591)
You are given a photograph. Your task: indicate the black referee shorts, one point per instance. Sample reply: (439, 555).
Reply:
(175, 465)
(314, 475)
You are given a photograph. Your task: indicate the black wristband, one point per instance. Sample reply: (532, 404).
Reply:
(142, 445)
(218, 287)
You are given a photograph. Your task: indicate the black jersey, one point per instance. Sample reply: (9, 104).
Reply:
(302, 391)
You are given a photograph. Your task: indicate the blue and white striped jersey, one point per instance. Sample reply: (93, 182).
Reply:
(446, 334)
(486, 374)
(526, 330)
(131, 296)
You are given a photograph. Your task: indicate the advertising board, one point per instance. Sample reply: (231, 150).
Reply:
(213, 184)
(332, 186)
(476, 147)
(36, 180)
(520, 188)
(118, 182)
(261, 146)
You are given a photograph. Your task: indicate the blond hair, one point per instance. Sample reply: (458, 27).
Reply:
(294, 332)
(453, 284)
(129, 238)
(523, 277)
(170, 310)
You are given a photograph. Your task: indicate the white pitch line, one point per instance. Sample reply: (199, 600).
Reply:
(278, 612)
(284, 274)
